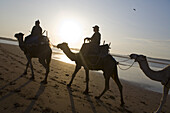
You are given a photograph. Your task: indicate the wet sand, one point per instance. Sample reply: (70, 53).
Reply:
(18, 94)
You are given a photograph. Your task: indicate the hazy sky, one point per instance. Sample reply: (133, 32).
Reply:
(144, 31)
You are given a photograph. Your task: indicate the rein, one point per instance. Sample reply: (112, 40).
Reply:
(126, 68)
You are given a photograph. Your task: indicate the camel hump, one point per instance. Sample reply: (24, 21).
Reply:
(104, 49)
(36, 40)
(89, 49)
(31, 39)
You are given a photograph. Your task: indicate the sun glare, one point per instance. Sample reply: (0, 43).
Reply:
(70, 31)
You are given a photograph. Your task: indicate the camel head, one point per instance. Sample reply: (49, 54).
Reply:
(137, 57)
(19, 35)
(62, 46)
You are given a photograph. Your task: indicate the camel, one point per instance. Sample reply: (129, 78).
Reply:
(42, 52)
(107, 64)
(162, 76)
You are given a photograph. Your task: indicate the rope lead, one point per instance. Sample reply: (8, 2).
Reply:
(126, 68)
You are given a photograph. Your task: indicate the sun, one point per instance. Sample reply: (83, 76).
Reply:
(70, 31)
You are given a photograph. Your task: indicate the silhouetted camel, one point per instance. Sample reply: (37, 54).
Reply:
(107, 64)
(162, 76)
(42, 52)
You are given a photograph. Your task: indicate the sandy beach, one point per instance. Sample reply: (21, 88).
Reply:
(18, 94)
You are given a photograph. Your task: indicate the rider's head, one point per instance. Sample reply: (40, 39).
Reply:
(96, 28)
(37, 22)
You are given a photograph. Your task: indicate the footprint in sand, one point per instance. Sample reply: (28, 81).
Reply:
(56, 86)
(12, 83)
(1, 78)
(67, 74)
(112, 97)
(1, 93)
(143, 102)
(17, 90)
(16, 105)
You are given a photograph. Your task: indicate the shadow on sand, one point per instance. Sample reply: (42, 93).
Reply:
(39, 92)
(14, 91)
(106, 107)
(91, 104)
(71, 100)
(73, 105)
(10, 83)
(117, 110)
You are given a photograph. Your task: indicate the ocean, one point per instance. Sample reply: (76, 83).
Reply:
(133, 75)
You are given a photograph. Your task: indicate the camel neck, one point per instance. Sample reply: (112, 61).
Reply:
(21, 44)
(20, 40)
(69, 53)
(154, 75)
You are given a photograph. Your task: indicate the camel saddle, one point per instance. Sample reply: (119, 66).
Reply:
(88, 49)
(35, 40)
(92, 54)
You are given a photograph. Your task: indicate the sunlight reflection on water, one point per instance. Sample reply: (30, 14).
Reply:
(8, 42)
(59, 55)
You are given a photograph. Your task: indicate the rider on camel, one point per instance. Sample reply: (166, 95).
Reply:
(94, 42)
(36, 34)
(95, 39)
(36, 30)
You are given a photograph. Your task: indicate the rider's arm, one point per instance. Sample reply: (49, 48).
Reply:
(87, 38)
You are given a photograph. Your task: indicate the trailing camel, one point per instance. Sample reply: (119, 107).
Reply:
(41, 51)
(107, 64)
(162, 76)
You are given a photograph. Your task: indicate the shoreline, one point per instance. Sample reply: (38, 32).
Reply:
(153, 86)
(149, 85)
(9, 39)
(68, 61)
(20, 95)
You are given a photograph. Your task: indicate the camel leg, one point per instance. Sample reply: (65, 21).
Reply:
(25, 72)
(29, 60)
(163, 100)
(48, 60)
(42, 61)
(106, 87)
(116, 79)
(87, 82)
(74, 74)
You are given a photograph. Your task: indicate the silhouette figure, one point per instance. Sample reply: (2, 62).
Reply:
(34, 51)
(96, 36)
(36, 34)
(36, 30)
(94, 42)
(106, 63)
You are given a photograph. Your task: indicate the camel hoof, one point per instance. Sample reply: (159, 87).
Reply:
(68, 85)
(86, 92)
(32, 78)
(122, 104)
(155, 112)
(25, 73)
(44, 82)
(97, 97)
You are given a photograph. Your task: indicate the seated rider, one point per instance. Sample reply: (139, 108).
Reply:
(36, 30)
(36, 34)
(96, 36)
(94, 42)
